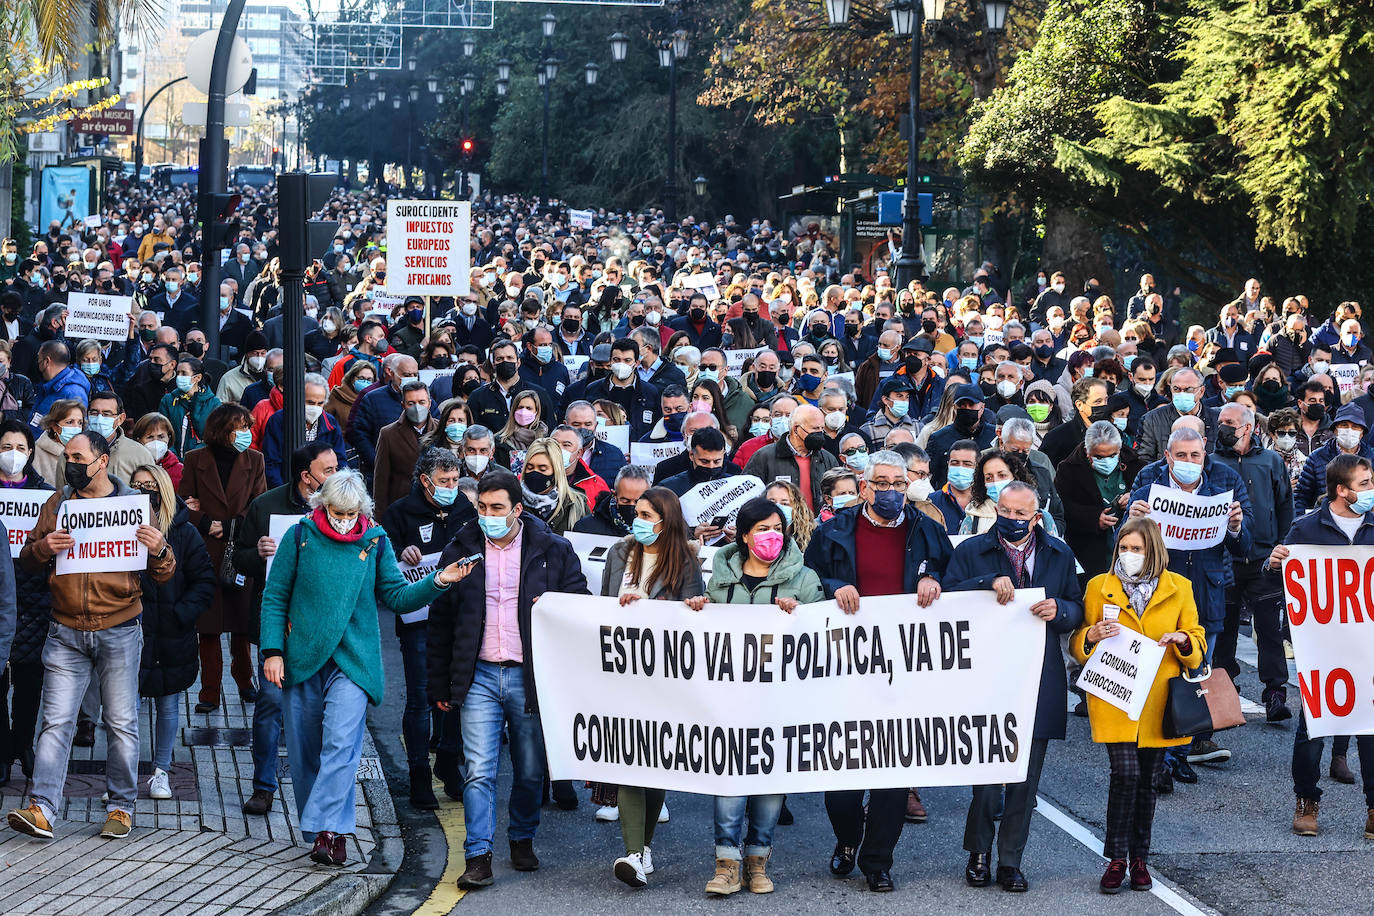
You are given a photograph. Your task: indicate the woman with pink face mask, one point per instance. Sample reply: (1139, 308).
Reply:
(763, 566)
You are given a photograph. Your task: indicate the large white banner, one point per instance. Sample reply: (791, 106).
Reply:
(649, 454)
(1189, 522)
(720, 498)
(97, 316)
(106, 534)
(1329, 593)
(1122, 670)
(723, 702)
(427, 247)
(19, 511)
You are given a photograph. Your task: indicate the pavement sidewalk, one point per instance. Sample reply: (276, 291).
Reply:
(197, 852)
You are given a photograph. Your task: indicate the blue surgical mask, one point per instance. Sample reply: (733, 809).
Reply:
(1128, 361)
(1364, 503)
(90, 368)
(885, 354)
(455, 431)
(444, 496)
(888, 504)
(858, 461)
(786, 514)
(544, 354)
(494, 527)
(362, 384)
(708, 375)
(995, 489)
(1184, 402)
(242, 439)
(758, 427)
(67, 433)
(780, 426)
(1187, 472)
(961, 478)
(1120, 422)
(899, 408)
(969, 362)
(1233, 390)
(977, 340)
(102, 425)
(172, 286)
(846, 499)
(1087, 371)
(1105, 466)
(184, 382)
(643, 531)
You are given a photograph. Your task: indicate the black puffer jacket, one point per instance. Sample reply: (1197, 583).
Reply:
(170, 655)
(33, 601)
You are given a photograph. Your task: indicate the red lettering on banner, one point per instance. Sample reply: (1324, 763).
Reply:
(1293, 584)
(1315, 689)
(1348, 579)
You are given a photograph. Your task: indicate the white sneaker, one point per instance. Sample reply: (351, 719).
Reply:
(630, 869)
(608, 813)
(663, 814)
(648, 859)
(158, 786)
(105, 798)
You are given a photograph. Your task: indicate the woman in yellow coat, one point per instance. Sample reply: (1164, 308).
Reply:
(1150, 600)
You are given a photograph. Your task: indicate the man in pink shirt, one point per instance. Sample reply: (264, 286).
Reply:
(479, 662)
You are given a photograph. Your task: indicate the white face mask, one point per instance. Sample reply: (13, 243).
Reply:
(1144, 390)
(621, 370)
(477, 463)
(313, 412)
(1131, 563)
(328, 326)
(1348, 438)
(255, 363)
(469, 309)
(918, 490)
(157, 447)
(342, 525)
(13, 461)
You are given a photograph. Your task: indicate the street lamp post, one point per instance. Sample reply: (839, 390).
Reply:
(548, 70)
(908, 19)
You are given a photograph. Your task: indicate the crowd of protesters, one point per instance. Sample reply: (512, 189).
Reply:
(913, 441)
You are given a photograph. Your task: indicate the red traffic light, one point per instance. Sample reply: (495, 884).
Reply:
(467, 146)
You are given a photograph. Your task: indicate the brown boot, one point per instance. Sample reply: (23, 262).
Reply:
(1340, 770)
(755, 876)
(1369, 824)
(726, 879)
(1305, 818)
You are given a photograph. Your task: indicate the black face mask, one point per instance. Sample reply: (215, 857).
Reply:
(913, 365)
(698, 474)
(571, 325)
(766, 378)
(506, 371)
(989, 388)
(697, 315)
(441, 362)
(154, 499)
(1227, 437)
(1314, 411)
(537, 482)
(928, 325)
(966, 418)
(1270, 385)
(471, 385)
(636, 320)
(627, 514)
(78, 475)
(1100, 414)
(814, 442)
(1044, 351)
(818, 331)
(751, 317)
(852, 330)
(195, 348)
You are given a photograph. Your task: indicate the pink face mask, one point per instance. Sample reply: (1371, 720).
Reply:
(701, 407)
(767, 545)
(524, 416)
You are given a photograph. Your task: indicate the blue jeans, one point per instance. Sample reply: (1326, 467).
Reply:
(416, 720)
(326, 718)
(266, 732)
(70, 659)
(165, 716)
(763, 811)
(497, 697)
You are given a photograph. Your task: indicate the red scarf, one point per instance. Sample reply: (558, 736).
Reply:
(321, 519)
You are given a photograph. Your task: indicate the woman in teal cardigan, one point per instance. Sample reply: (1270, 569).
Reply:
(189, 406)
(322, 646)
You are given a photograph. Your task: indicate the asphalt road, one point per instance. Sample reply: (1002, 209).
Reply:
(1223, 845)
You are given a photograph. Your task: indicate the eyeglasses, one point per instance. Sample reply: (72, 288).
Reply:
(882, 486)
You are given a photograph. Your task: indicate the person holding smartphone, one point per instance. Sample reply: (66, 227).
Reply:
(1137, 593)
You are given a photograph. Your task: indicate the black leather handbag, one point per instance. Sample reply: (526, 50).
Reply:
(1185, 710)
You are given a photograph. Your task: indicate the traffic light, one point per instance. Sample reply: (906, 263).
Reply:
(467, 147)
(220, 223)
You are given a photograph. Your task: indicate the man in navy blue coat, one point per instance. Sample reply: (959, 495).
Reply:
(879, 547)
(1342, 519)
(1019, 553)
(1186, 466)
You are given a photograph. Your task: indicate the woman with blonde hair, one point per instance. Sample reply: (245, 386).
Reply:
(547, 492)
(801, 523)
(65, 418)
(1145, 597)
(944, 416)
(523, 426)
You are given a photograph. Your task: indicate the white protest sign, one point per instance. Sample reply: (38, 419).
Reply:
(19, 511)
(715, 498)
(591, 550)
(1345, 374)
(619, 436)
(574, 363)
(414, 572)
(580, 219)
(98, 317)
(722, 703)
(1189, 522)
(427, 376)
(277, 526)
(106, 534)
(649, 454)
(427, 247)
(1329, 600)
(1122, 670)
(735, 359)
(704, 284)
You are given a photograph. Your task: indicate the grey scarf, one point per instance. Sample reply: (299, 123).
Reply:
(1140, 591)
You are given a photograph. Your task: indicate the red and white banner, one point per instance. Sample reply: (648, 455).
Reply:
(1329, 599)
(427, 247)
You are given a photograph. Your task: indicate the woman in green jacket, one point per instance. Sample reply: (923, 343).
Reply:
(189, 406)
(656, 561)
(322, 646)
(763, 566)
